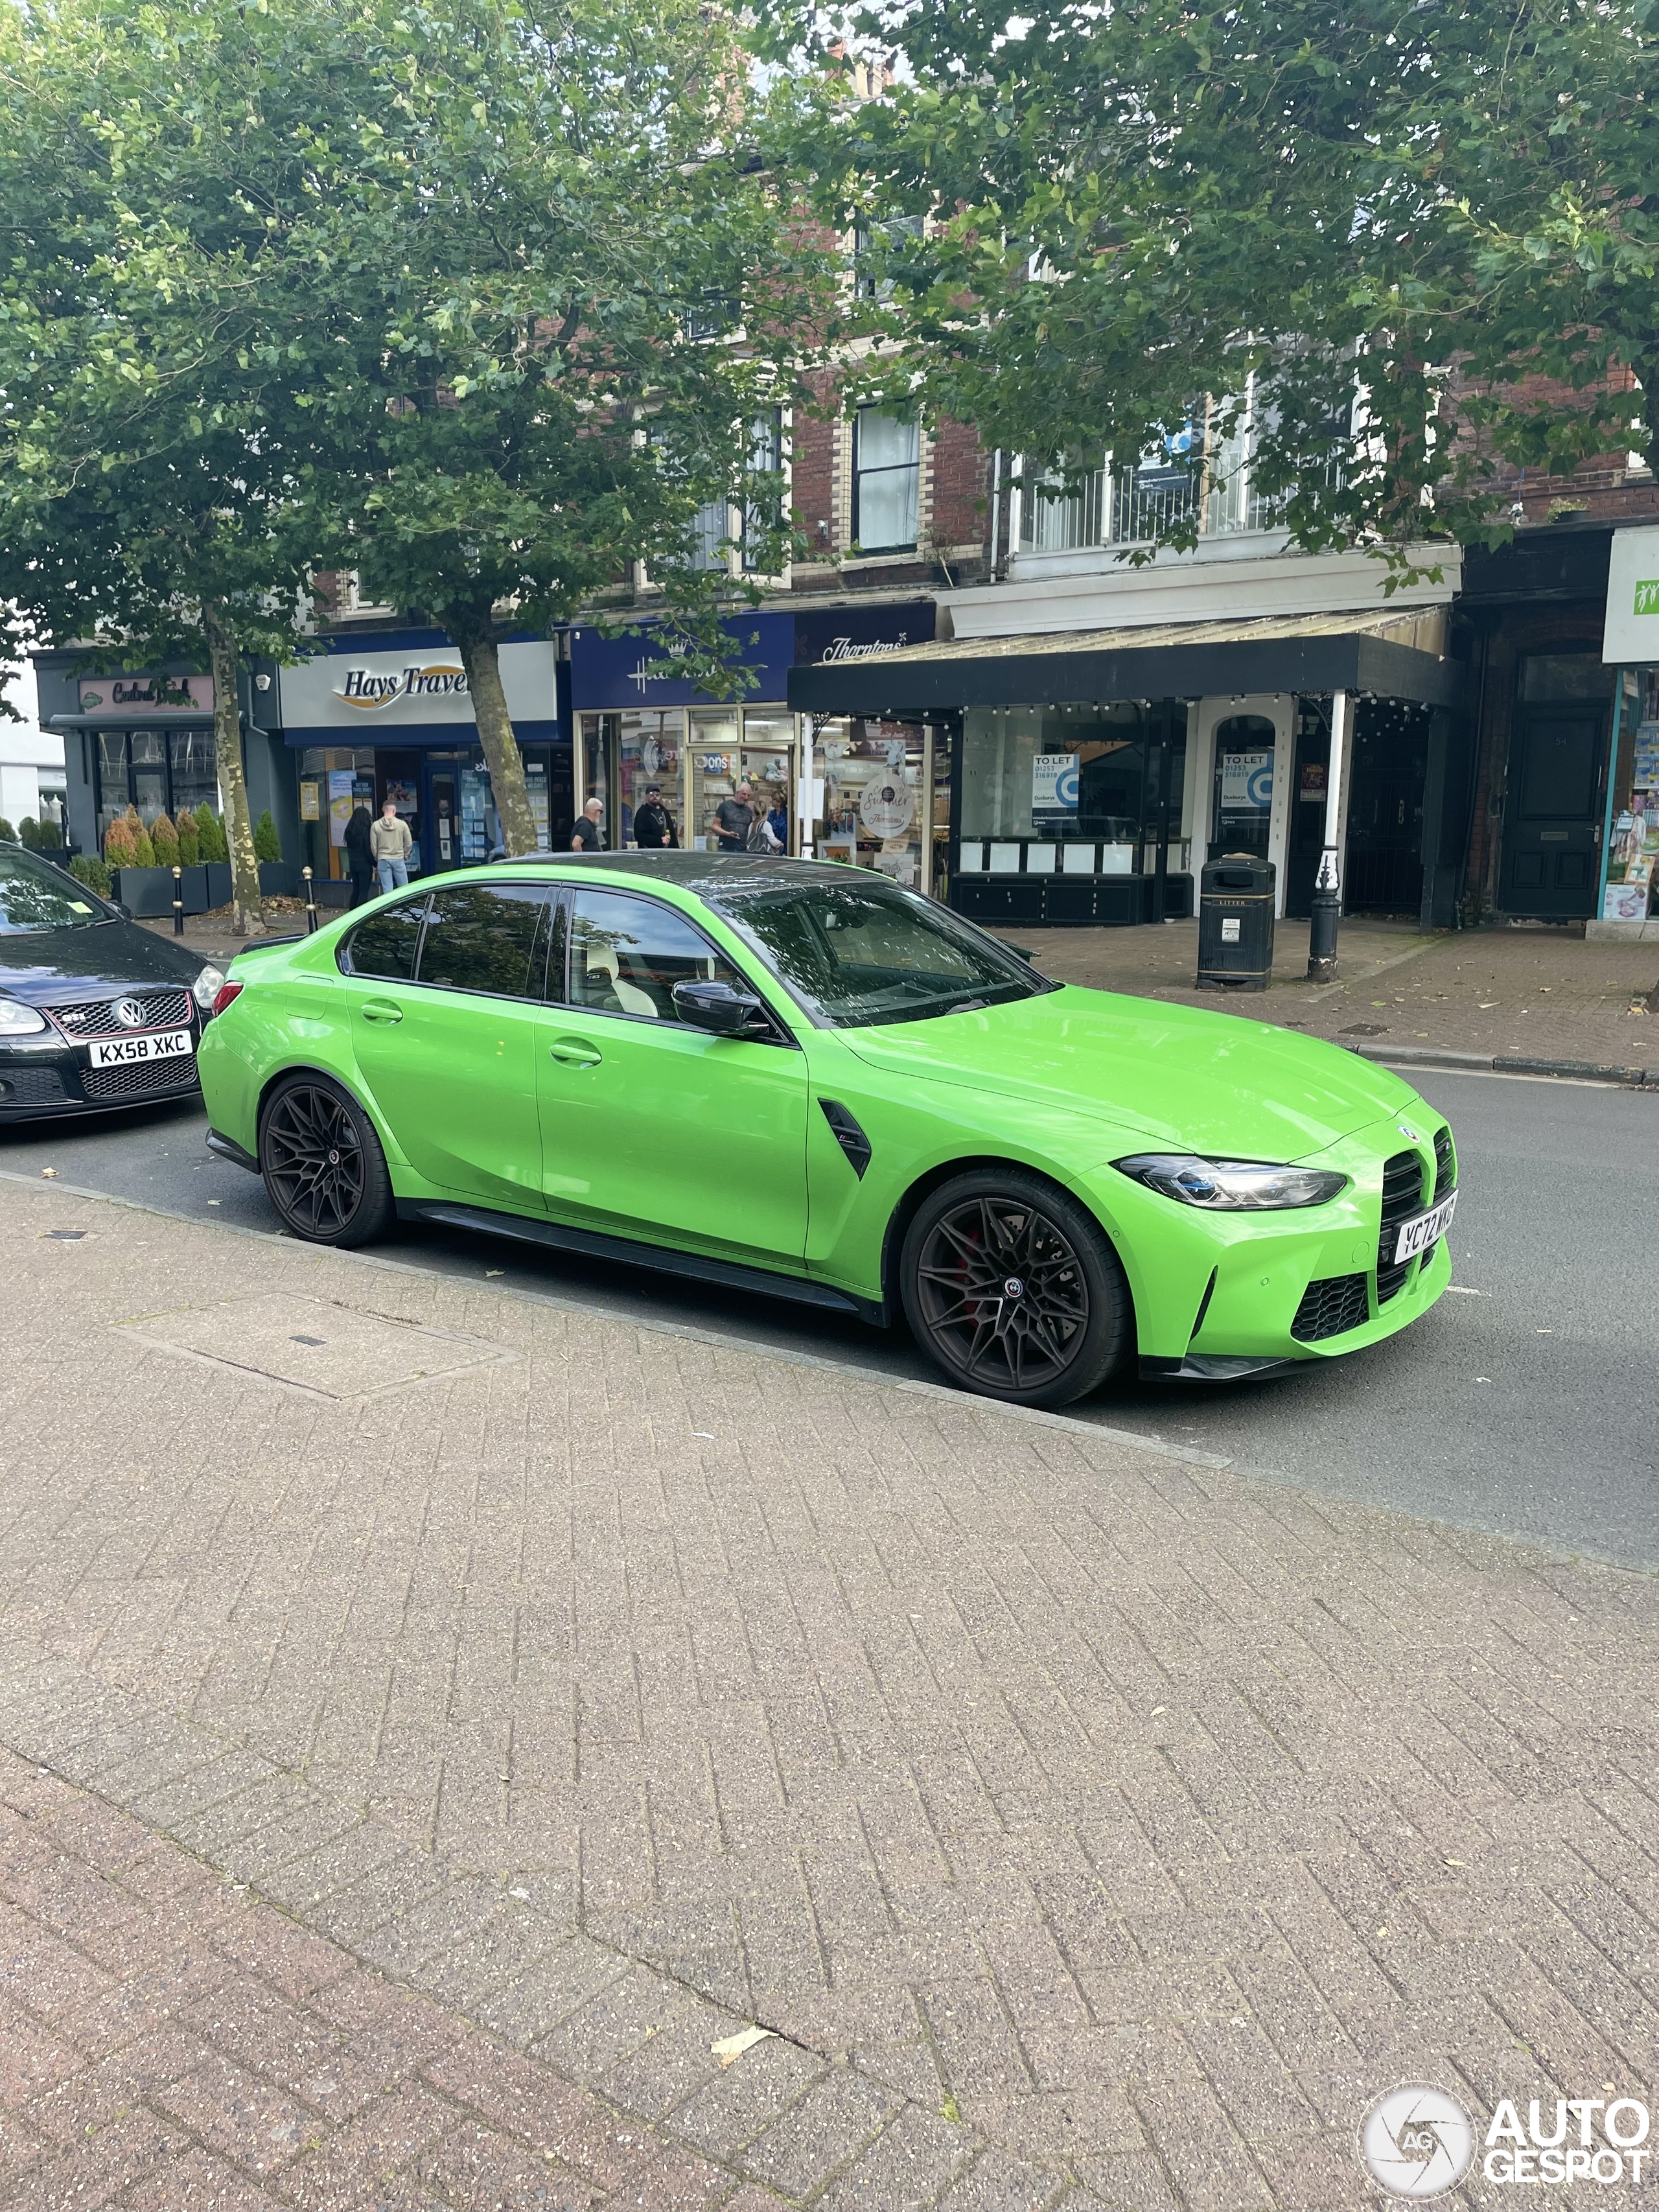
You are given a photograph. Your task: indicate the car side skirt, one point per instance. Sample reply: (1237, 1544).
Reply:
(660, 1259)
(227, 1148)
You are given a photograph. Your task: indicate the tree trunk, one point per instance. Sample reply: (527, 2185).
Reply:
(248, 912)
(481, 658)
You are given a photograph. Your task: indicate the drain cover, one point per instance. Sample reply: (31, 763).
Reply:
(307, 1344)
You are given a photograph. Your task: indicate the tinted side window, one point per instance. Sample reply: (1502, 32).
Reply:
(386, 945)
(489, 937)
(626, 954)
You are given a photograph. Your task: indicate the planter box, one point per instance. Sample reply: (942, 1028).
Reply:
(278, 880)
(218, 884)
(193, 885)
(148, 891)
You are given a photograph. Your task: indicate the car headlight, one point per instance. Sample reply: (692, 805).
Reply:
(207, 987)
(1231, 1186)
(18, 1020)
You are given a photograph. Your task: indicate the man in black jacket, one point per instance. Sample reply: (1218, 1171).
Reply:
(654, 825)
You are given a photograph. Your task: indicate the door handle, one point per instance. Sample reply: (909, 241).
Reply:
(575, 1052)
(380, 1009)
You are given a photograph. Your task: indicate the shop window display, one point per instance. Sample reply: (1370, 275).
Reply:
(881, 791)
(1067, 774)
(699, 758)
(158, 771)
(1633, 823)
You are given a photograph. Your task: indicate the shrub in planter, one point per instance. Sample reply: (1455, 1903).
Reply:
(165, 838)
(120, 845)
(210, 834)
(145, 854)
(51, 836)
(86, 868)
(267, 845)
(28, 833)
(189, 843)
(7, 834)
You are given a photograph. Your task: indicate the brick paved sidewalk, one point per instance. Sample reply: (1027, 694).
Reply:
(1526, 993)
(1092, 1826)
(168, 2043)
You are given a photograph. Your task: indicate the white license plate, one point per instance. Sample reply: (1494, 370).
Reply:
(125, 1052)
(1423, 1230)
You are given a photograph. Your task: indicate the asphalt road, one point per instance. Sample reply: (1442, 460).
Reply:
(1523, 1404)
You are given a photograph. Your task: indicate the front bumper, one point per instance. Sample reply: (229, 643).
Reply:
(1219, 1297)
(55, 1080)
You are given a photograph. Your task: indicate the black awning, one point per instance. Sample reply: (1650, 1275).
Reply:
(1382, 654)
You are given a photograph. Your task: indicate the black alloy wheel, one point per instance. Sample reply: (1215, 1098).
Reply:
(322, 1163)
(1014, 1290)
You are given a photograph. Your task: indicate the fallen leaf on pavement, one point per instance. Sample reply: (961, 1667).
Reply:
(732, 2047)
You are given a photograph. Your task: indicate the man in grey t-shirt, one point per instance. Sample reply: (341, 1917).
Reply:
(734, 818)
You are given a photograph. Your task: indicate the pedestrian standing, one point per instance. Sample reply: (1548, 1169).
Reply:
(734, 817)
(390, 845)
(587, 836)
(360, 863)
(654, 825)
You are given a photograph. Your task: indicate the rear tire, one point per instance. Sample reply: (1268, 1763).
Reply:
(1013, 1289)
(323, 1169)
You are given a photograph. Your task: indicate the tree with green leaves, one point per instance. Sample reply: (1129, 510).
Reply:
(481, 303)
(578, 291)
(154, 342)
(1401, 251)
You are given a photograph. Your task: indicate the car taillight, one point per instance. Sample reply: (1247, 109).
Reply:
(224, 994)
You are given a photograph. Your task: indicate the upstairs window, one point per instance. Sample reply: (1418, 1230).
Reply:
(887, 482)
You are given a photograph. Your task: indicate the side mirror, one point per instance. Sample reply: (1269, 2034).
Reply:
(124, 909)
(716, 1007)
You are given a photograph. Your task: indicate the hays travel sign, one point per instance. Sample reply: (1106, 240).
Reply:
(411, 684)
(371, 690)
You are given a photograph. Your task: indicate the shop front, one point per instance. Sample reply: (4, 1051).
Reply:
(640, 728)
(390, 717)
(142, 739)
(1627, 904)
(1084, 777)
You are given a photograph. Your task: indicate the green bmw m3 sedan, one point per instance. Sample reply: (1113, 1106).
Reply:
(804, 1079)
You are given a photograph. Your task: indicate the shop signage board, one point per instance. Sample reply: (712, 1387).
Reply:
(145, 698)
(1247, 781)
(359, 692)
(636, 669)
(1630, 631)
(827, 635)
(1056, 783)
(610, 673)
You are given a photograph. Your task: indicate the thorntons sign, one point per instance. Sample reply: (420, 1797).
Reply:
(847, 648)
(369, 691)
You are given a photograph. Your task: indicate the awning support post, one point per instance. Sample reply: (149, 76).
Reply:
(1328, 884)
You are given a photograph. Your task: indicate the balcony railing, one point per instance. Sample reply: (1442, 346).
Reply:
(1134, 505)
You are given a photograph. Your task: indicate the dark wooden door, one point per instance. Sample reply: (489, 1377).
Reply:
(1553, 819)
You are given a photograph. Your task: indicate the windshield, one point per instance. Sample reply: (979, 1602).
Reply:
(34, 896)
(862, 951)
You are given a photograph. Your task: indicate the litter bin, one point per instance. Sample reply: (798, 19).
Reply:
(1236, 923)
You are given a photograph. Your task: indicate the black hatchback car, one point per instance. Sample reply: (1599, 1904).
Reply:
(95, 1012)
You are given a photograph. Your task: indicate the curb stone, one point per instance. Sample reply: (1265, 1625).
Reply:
(1483, 1063)
(625, 2030)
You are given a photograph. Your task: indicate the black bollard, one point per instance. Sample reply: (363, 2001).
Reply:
(311, 902)
(178, 901)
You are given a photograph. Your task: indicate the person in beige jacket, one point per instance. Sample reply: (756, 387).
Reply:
(390, 845)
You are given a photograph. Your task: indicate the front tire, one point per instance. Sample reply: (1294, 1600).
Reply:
(323, 1169)
(1013, 1289)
